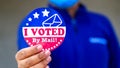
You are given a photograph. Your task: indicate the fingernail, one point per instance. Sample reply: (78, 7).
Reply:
(48, 59)
(47, 52)
(47, 67)
(39, 47)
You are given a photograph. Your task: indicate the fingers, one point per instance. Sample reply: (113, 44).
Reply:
(43, 64)
(33, 57)
(26, 52)
(36, 59)
(47, 67)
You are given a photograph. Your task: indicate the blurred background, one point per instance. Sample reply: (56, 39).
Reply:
(13, 11)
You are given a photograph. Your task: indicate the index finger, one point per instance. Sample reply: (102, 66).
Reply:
(27, 52)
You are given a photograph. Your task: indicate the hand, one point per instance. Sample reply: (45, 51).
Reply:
(33, 57)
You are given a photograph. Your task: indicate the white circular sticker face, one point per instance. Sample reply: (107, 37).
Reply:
(44, 26)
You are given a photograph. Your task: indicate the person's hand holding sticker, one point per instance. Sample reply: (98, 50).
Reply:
(43, 30)
(33, 57)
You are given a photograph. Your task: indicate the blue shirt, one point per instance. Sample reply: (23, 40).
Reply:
(90, 42)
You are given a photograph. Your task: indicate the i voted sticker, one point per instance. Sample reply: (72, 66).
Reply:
(44, 26)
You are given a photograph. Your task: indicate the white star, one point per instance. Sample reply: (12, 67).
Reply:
(36, 15)
(45, 13)
(30, 19)
(27, 24)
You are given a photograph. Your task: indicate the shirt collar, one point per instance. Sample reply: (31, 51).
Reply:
(82, 9)
(81, 13)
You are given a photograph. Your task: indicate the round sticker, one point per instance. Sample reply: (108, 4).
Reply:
(44, 26)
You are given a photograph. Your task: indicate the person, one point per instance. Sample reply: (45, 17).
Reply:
(90, 41)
